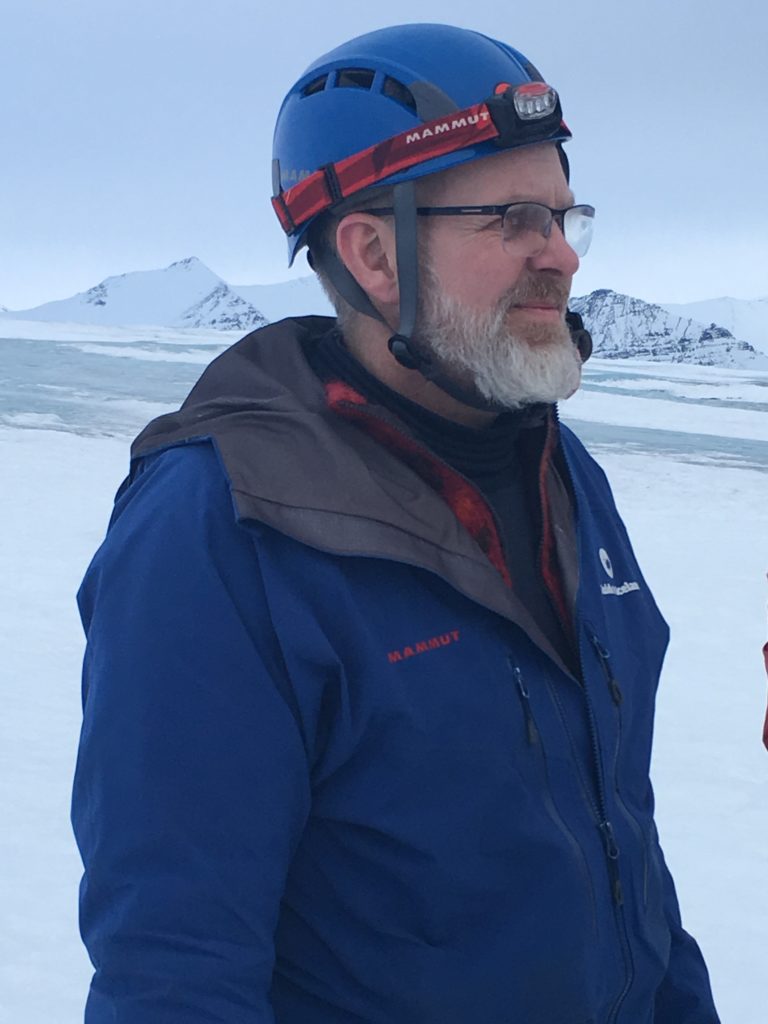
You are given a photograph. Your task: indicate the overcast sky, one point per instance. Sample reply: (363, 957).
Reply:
(138, 132)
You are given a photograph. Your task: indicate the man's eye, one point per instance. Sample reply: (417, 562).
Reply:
(518, 219)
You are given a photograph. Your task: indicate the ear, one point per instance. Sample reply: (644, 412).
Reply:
(366, 246)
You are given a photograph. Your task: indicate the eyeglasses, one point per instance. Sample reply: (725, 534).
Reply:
(525, 227)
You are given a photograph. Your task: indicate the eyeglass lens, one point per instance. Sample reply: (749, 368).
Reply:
(527, 226)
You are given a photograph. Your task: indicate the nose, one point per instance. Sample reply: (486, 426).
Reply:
(556, 255)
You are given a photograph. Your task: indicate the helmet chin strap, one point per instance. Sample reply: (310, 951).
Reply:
(403, 346)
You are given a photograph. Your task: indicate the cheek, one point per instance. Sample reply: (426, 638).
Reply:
(477, 277)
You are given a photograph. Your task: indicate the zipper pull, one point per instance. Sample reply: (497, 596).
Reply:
(615, 689)
(525, 699)
(612, 853)
(605, 660)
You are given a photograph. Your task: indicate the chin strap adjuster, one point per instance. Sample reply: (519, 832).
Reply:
(580, 336)
(403, 352)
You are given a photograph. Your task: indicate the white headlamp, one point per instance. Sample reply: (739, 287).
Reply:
(534, 101)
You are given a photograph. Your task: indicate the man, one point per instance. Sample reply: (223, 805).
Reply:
(371, 666)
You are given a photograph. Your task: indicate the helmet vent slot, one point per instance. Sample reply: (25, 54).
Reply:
(355, 78)
(400, 93)
(315, 86)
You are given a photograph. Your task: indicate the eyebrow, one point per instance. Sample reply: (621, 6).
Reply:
(519, 198)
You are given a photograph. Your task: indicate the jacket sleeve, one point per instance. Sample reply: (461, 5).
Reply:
(191, 789)
(685, 995)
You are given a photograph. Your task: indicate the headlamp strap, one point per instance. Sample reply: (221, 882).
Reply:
(504, 117)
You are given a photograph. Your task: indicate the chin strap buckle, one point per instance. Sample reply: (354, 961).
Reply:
(580, 336)
(400, 348)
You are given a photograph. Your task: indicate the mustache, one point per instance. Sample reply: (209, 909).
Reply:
(535, 290)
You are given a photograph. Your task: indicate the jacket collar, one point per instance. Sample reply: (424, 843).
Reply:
(298, 466)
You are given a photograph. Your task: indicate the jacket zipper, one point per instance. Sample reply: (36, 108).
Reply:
(604, 656)
(612, 852)
(534, 740)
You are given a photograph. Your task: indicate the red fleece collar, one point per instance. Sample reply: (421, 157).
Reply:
(464, 500)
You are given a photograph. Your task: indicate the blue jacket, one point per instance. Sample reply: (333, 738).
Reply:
(329, 771)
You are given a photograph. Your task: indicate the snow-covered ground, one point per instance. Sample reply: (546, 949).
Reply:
(686, 449)
(40, 330)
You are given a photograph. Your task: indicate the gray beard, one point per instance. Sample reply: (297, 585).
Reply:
(477, 348)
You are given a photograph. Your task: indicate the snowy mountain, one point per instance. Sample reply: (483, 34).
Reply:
(627, 328)
(744, 318)
(222, 309)
(187, 293)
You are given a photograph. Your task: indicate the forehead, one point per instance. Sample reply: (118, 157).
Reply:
(533, 172)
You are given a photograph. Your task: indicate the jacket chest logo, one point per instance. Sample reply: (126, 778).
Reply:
(434, 643)
(612, 589)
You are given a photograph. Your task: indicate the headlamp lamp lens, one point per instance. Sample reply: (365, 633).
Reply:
(534, 101)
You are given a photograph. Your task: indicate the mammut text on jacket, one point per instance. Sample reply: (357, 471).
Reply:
(330, 773)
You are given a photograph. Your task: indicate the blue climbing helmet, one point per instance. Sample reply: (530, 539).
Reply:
(395, 105)
(390, 107)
